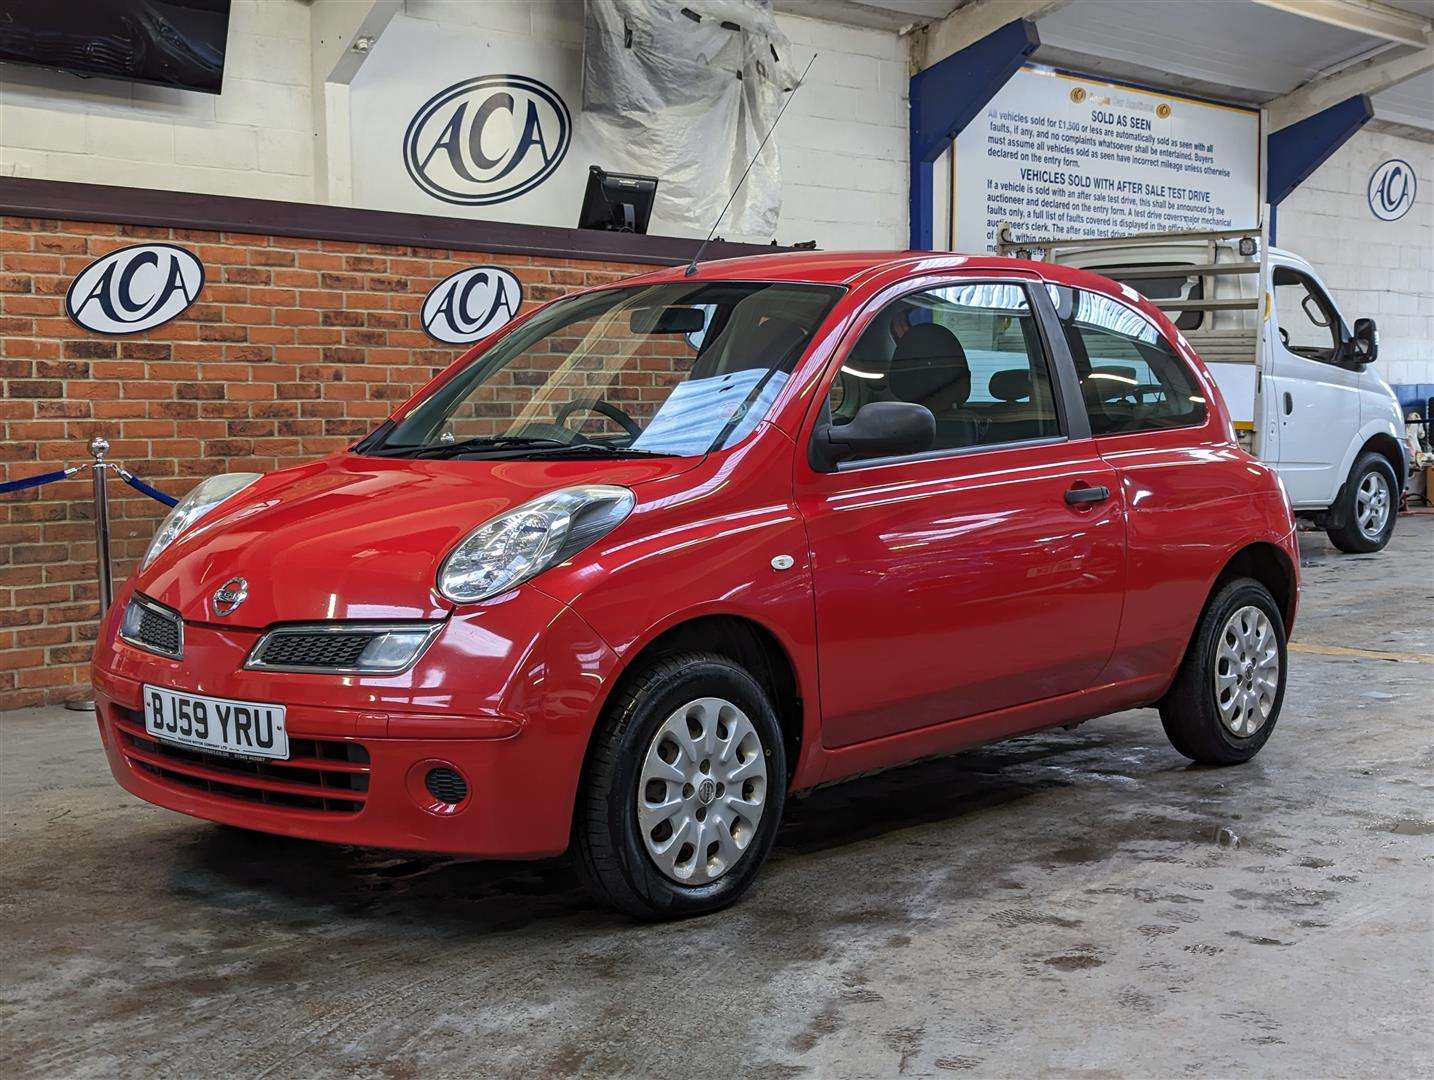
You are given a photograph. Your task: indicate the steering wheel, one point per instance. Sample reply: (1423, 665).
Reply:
(604, 408)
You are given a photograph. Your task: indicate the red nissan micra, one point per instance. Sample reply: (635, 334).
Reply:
(661, 553)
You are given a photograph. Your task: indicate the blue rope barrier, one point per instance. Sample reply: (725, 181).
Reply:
(36, 481)
(139, 485)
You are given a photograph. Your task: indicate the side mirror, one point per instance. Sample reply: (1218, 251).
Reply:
(1364, 344)
(878, 429)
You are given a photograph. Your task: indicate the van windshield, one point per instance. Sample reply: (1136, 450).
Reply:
(677, 369)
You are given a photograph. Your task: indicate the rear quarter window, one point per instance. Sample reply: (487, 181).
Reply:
(1131, 378)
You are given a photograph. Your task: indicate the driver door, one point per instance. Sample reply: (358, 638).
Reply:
(977, 576)
(1315, 399)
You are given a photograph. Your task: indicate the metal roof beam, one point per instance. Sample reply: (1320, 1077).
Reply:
(975, 20)
(1369, 77)
(1362, 16)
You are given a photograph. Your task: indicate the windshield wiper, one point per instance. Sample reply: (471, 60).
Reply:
(590, 448)
(461, 446)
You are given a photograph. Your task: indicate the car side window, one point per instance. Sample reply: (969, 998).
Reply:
(969, 353)
(1307, 324)
(1131, 378)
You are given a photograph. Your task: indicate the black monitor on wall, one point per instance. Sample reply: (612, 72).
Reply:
(616, 202)
(179, 43)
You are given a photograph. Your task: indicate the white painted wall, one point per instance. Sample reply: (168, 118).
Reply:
(1383, 270)
(256, 138)
(842, 143)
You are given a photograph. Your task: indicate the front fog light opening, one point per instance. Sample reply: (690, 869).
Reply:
(446, 785)
(438, 787)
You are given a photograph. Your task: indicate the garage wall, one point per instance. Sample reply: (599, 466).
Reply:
(1380, 269)
(844, 180)
(255, 139)
(295, 348)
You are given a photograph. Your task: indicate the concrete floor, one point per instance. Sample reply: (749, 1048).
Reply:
(1055, 905)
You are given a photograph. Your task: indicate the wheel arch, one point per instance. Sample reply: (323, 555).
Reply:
(1268, 564)
(1389, 448)
(1262, 561)
(740, 638)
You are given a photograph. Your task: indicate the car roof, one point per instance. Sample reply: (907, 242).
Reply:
(852, 267)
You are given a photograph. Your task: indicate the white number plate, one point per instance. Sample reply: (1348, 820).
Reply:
(218, 724)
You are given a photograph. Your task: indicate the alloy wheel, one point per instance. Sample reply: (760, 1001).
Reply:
(702, 790)
(1372, 504)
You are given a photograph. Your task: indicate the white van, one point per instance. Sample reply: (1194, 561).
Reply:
(1296, 376)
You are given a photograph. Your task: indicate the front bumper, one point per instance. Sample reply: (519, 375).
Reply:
(515, 728)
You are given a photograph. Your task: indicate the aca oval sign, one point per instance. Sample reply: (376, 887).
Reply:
(1391, 190)
(487, 140)
(133, 289)
(471, 304)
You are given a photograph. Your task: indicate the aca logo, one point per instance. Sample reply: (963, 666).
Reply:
(471, 304)
(487, 140)
(133, 289)
(1391, 190)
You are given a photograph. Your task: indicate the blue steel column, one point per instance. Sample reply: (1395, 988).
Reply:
(1296, 151)
(949, 95)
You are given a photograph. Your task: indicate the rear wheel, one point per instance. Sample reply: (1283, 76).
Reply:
(684, 789)
(1367, 507)
(1227, 694)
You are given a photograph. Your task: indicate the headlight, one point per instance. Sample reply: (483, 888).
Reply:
(526, 540)
(202, 499)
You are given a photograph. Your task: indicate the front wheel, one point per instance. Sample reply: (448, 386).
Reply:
(1367, 507)
(1226, 697)
(684, 789)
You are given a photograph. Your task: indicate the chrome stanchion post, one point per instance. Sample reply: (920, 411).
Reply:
(99, 447)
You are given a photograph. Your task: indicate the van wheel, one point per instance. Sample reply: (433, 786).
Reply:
(1367, 506)
(684, 789)
(1227, 694)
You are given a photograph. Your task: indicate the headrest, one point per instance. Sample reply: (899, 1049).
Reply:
(1108, 383)
(773, 342)
(928, 341)
(1011, 385)
(929, 367)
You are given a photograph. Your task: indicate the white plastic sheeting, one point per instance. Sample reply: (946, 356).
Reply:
(688, 100)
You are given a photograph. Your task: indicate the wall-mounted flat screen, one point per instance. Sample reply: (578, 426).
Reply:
(169, 42)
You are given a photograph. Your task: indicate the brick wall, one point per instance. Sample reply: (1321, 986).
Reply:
(294, 348)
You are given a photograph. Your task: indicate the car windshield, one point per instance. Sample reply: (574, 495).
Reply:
(674, 369)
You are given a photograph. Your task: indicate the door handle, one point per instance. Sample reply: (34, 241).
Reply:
(1080, 496)
(1289, 403)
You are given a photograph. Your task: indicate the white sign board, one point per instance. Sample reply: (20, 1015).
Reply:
(469, 124)
(1058, 155)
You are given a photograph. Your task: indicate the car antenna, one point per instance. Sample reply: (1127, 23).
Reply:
(692, 266)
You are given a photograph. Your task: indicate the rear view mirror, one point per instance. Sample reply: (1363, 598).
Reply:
(667, 320)
(879, 429)
(1364, 344)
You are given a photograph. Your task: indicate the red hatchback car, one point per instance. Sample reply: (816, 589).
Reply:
(659, 554)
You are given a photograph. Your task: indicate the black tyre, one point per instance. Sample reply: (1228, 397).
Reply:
(1368, 504)
(1226, 697)
(683, 791)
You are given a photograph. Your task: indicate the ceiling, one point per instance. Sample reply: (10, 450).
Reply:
(1235, 51)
